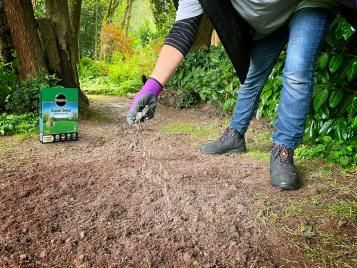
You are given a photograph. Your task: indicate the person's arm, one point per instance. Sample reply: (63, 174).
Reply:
(176, 46)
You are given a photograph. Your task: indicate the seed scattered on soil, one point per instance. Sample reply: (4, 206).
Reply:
(82, 234)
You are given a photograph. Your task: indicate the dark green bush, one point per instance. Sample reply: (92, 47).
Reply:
(8, 81)
(19, 100)
(24, 96)
(210, 75)
(18, 124)
(90, 69)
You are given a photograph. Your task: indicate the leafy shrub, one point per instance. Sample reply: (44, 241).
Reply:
(147, 34)
(8, 81)
(89, 69)
(24, 96)
(343, 153)
(18, 124)
(119, 75)
(19, 100)
(209, 74)
(113, 39)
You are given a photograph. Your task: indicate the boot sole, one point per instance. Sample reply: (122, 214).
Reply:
(286, 186)
(234, 151)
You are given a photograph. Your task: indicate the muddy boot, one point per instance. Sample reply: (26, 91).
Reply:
(230, 142)
(282, 169)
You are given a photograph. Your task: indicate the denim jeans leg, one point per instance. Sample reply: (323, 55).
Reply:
(263, 56)
(308, 28)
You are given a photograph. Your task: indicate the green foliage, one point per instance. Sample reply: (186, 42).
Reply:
(39, 8)
(147, 34)
(21, 96)
(120, 75)
(92, 14)
(24, 96)
(164, 14)
(343, 153)
(90, 69)
(19, 100)
(8, 81)
(210, 75)
(18, 124)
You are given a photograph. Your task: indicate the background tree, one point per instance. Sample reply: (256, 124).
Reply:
(6, 44)
(127, 16)
(20, 16)
(112, 6)
(90, 26)
(58, 31)
(204, 35)
(74, 10)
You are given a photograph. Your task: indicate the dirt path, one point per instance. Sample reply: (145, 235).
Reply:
(142, 197)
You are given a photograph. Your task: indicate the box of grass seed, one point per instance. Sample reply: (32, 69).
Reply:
(58, 114)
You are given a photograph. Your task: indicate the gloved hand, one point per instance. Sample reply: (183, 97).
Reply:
(144, 103)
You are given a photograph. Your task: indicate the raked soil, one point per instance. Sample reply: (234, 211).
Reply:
(137, 197)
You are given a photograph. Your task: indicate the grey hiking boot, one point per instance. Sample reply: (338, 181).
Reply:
(231, 141)
(282, 169)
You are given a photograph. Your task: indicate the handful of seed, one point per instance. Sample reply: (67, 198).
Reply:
(143, 115)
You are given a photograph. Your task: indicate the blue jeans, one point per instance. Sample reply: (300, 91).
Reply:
(305, 34)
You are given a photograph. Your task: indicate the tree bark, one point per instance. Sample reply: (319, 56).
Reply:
(112, 6)
(20, 17)
(6, 44)
(130, 7)
(50, 48)
(74, 9)
(57, 10)
(125, 14)
(203, 38)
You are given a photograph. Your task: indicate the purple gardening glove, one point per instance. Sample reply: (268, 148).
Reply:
(144, 103)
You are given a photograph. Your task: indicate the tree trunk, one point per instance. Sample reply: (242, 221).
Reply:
(50, 46)
(125, 14)
(20, 17)
(203, 38)
(57, 10)
(74, 10)
(112, 6)
(6, 44)
(130, 8)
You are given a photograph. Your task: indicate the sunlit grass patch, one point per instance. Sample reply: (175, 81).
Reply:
(25, 136)
(193, 130)
(259, 144)
(99, 87)
(344, 209)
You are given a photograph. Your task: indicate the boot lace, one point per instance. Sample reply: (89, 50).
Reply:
(224, 135)
(284, 155)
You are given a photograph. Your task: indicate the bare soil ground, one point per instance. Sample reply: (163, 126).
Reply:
(146, 197)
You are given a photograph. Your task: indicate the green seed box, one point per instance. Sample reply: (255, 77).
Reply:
(58, 114)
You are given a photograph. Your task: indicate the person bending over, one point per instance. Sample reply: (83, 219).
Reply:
(302, 25)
